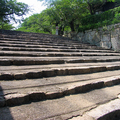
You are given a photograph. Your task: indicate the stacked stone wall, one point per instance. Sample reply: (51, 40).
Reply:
(106, 37)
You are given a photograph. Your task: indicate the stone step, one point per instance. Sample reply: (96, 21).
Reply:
(38, 40)
(54, 54)
(107, 111)
(52, 50)
(63, 108)
(37, 37)
(34, 36)
(40, 71)
(41, 43)
(13, 60)
(26, 37)
(16, 93)
(61, 80)
(23, 34)
(49, 42)
(16, 33)
(58, 41)
(57, 77)
(49, 45)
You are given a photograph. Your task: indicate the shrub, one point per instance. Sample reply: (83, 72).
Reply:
(109, 17)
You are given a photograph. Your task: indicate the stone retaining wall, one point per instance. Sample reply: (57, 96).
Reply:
(106, 37)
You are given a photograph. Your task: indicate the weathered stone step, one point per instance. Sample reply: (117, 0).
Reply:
(28, 72)
(34, 37)
(12, 60)
(17, 41)
(18, 96)
(41, 49)
(54, 54)
(64, 108)
(79, 46)
(53, 67)
(34, 46)
(42, 42)
(45, 43)
(52, 50)
(27, 34)
(69, 44)
(106, 111)
(49, 42)
(44, 46)
(26, 61)
(59, 80)
(39, 41)
(37, 37)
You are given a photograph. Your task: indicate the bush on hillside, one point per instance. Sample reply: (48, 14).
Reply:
(109, 17)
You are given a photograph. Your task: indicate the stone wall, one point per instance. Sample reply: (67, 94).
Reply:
(106, 37)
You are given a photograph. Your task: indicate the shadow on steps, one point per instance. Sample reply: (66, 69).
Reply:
(115, 115)
(5, 113)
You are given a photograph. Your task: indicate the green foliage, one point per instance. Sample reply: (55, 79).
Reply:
(63, 13)
(6, 26)
(94, 5)
(70, 15)
(39, 23)
(66, 13)
(111, 16)
(10, 8)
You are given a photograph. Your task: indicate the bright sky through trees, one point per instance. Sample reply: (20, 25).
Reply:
(35, 7)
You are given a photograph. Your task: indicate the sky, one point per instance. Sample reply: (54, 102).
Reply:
(35, 6)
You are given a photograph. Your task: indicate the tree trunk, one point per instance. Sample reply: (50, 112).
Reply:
(72, 26)
(61, 30)
(92, 12)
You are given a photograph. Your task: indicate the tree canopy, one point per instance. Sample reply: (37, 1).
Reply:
(11, 8)
(66, 14)
(38, 23)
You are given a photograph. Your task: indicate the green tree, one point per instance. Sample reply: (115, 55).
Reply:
(94, 5)
(10, 8)
(67, 13)
(6, 26)
(91, 5)
(39, 23)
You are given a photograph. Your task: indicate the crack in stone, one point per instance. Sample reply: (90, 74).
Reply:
(10, 93)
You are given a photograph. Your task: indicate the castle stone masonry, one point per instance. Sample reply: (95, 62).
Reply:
(107, 37)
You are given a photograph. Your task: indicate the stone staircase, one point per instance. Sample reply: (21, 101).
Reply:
(47, 77)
